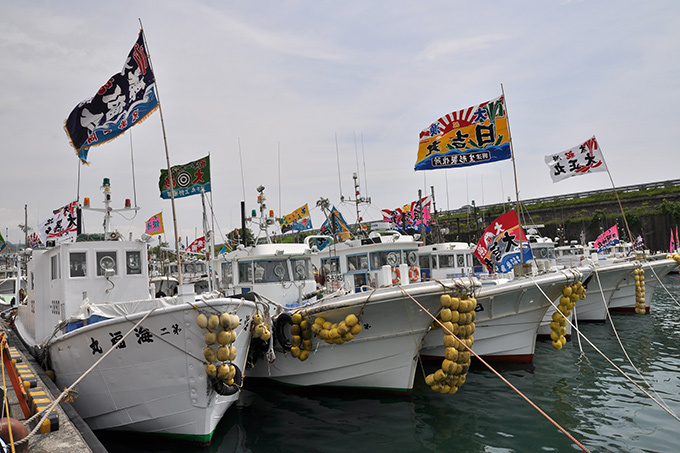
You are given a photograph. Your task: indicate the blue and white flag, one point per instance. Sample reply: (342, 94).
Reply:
(126, 99)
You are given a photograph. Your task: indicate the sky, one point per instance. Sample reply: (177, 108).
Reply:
(297, 96)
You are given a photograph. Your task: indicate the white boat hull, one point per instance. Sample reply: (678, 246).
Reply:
(383, 356)
(602, 285)
(623, 299)
(508, 316)
(158, 386)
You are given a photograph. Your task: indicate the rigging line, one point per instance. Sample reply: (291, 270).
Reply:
(623, 373)
(515, 389)
(78, 189)
(663, 286)
(337, 156)
(214, 218)
(356, 151)
(618, 339)
(363, 153)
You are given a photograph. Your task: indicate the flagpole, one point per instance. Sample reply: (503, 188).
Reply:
(167, 159)
(514, 170)
(212, 236)
(616, 193)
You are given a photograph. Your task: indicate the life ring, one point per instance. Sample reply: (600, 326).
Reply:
(279, 325)
(397, 279)
(413, 274)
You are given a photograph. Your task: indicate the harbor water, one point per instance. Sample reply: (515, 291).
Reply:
(576, 387)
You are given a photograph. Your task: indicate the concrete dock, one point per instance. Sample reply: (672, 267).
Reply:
(73, 435)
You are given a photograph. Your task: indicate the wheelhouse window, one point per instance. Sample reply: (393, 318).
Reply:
(245, 272)
(78, 264)
(106, 264)
(447, 261)
(380, 259)
(133, 262)
(7, 286)
(227, 274)
(330, 265)
(357, 262)
(54, 267)
(302, 269)
(197, 267)
(411, 257)
(424, 261)
(270, 271)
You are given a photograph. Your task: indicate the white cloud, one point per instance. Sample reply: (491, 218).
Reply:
(468, 45)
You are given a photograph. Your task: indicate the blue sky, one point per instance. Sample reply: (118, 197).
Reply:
(266, 87)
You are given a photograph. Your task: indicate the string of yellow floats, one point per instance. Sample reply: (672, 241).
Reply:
(457, 316)
(220, 330)
(558, 325)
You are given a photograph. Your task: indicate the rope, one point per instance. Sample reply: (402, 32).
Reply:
(623, 373)
(413, 334)
(664, 286)
(515, 389)
(46, 411)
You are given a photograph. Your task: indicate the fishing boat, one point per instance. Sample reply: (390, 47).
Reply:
(618, 269)
(358, 329)
(132, 362)
(12, 286)
(603, 284)
(650, 271)
(509, 308)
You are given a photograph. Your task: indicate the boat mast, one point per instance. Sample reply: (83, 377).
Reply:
(107, 209)
(357, 201)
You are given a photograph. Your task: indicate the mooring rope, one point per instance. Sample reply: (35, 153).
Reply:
(515, 389)
(623, 373)
(618, 339)
(664, 286)
(46, 411)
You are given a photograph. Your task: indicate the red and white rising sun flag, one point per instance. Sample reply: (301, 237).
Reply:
(584, 158)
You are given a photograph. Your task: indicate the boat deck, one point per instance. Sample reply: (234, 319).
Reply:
(71, 434)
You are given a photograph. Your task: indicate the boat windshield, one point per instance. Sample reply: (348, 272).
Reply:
(302, 269)
(7, 286)
(269, 271)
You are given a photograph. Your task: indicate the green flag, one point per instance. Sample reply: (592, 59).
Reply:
(188, 179)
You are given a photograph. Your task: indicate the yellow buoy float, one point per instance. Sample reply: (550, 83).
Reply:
(558, 325)
(337, 333)
(219, 351)
(457, 316)
(639, 277)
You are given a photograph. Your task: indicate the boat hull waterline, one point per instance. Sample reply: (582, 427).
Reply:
(156, 381)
